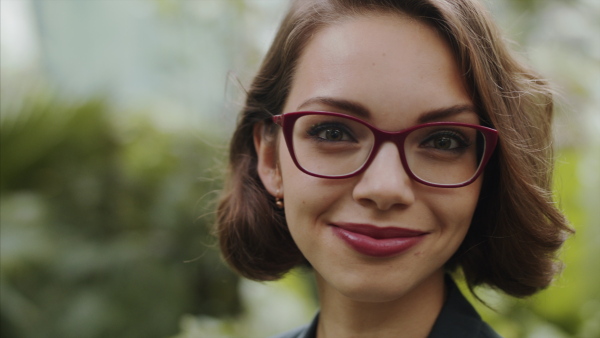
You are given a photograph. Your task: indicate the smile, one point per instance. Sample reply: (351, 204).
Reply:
(377, 241)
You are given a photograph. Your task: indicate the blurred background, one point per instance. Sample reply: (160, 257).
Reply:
(115, 116)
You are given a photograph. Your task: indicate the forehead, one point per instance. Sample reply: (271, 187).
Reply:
(390, 64)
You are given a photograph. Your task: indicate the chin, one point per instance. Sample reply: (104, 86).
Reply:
(371, 290)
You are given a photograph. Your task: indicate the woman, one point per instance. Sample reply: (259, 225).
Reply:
(387, 144)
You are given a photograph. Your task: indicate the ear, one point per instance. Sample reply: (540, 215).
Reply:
(268, 163)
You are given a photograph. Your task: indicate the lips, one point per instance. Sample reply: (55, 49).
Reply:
(377, 241)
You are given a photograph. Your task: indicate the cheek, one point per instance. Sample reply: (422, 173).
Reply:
(300, 193)
(455, 210)
(303, 192)
(452, 212)
(308, 202)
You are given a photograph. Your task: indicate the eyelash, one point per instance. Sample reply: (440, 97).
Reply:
(458, 141)
(316, 129)
(462, 141)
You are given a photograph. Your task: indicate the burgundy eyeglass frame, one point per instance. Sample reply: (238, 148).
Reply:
(288, 120)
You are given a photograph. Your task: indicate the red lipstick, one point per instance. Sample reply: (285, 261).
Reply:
(377, 241)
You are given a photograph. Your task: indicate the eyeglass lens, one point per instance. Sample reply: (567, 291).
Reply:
(336, 146)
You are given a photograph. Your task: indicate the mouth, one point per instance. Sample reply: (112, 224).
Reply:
(377, 241)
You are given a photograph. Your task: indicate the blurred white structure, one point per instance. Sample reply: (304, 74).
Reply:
(172, 58)
(181, 59)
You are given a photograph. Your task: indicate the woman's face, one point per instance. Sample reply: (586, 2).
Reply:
(396, 70)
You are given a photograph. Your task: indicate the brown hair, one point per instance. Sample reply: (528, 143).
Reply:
(516, 229)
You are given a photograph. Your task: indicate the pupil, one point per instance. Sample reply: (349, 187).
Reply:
(333, 134)
(443, 143)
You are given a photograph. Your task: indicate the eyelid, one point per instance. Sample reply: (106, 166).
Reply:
(451, 134)
(327, 124)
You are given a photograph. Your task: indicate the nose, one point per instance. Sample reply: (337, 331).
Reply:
(385, 183)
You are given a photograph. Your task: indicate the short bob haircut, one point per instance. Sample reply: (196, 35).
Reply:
(516, 230)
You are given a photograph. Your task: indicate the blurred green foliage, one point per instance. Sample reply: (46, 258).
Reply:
(571, 306)
(106, 217)
(105, 226)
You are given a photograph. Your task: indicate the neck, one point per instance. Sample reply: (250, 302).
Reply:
(412, 314)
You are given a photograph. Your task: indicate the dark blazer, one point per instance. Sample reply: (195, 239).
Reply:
(458, 319)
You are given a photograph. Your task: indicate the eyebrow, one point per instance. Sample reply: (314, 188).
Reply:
(445, 113)
(347, 106)
(361, 111)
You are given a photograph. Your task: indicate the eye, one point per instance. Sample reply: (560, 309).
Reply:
(446, 140)
(330, 133)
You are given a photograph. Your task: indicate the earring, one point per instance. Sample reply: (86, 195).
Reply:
(279, 201)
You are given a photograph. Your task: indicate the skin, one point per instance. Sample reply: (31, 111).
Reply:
(397, 69)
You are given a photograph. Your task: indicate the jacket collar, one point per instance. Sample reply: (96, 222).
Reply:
(457, 318)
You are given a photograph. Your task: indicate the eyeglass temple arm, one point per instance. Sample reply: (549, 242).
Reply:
(277, 119)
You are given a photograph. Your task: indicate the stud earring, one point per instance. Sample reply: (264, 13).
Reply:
(279, 201)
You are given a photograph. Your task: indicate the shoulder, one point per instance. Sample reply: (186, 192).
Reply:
(458, 318)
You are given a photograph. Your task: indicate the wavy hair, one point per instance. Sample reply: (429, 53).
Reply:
(516, 230)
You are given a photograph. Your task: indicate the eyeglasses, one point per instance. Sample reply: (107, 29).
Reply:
(438, 154)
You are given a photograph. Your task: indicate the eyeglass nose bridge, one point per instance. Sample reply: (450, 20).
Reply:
(397, 138)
